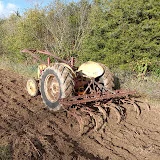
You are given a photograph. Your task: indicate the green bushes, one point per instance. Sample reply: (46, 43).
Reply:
(22, 32)
(122, 34)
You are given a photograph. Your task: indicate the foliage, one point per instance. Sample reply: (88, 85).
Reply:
(123, 34)
(23, 32)
(1, 36)
(142, 67)
(66, 25)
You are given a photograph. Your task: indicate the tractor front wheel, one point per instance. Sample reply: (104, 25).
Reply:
(32, 87)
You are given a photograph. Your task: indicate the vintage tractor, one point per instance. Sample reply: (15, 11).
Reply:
(86, 90)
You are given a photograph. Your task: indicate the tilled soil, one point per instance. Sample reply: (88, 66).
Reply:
(34, 132)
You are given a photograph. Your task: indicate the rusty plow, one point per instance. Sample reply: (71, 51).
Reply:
(99, 106)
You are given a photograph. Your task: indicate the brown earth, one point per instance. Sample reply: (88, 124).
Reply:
(34, 132)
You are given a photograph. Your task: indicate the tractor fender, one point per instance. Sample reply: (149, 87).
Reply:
(42, 67)
(91, 69)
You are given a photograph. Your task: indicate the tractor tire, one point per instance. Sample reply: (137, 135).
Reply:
(32, 87)
(107, 78)
(56, 82)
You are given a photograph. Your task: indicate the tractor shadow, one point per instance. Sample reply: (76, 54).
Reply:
(116, 83)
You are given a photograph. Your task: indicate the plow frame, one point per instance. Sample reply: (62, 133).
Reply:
(33, 52)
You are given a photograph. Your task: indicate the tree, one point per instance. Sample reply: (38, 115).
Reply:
(123, 32)
(22, 32)
(66, 26)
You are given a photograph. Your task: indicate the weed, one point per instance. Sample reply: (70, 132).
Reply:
(5, 152)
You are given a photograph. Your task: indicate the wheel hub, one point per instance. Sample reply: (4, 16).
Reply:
(52, 88)
(32, 87)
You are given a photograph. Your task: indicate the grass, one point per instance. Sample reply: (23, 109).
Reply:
(20, 68)
(147, 87)
(5, 152)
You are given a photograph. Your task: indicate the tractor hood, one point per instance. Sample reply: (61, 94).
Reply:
(91, 69)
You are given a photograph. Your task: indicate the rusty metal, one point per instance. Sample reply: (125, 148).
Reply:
(48, 61)
(132, 102)
(52, 55)
(33, 51)
(101, 110)
(73, 112)
(95, 103)
(72, 61)
(91, 114)
(95, 97)
(113, 107)
(98, 99)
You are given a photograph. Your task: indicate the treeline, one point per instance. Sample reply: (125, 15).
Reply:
(124, 34)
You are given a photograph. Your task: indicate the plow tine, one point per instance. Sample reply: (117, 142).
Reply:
(136, 106)
(93, 116)
(96, 121)
(81, 123)
(116, 111)
(146, 104)
(101, 110)
(74, 113)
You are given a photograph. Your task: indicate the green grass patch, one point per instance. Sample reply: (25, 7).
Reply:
(20, 68)
(146, 86)
(5, 152)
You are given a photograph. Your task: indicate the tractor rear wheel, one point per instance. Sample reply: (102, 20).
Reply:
(107, 78)
(56, 82)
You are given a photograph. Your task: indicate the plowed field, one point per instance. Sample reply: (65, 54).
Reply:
(34, 132)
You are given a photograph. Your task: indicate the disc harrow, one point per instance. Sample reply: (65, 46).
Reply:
(98, 104)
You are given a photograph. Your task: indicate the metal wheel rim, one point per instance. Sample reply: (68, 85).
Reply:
(51, 88)
(31, 86)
